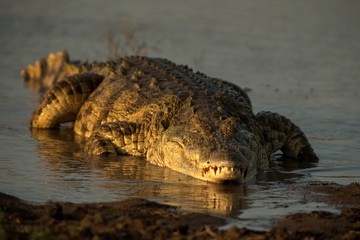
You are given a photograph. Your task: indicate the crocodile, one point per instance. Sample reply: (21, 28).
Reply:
(166, 113)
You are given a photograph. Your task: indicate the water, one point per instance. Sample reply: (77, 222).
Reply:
(299, 58)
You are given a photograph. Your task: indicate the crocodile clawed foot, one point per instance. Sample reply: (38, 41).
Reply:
(96, 146)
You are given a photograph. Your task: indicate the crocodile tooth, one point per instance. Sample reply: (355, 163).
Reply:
(205, 170)
(215, 170)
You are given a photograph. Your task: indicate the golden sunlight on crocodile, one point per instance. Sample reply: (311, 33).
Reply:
(166, 113)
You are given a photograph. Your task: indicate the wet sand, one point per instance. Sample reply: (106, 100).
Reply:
(138, 218)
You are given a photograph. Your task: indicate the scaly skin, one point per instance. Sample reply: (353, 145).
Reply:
(168, 114)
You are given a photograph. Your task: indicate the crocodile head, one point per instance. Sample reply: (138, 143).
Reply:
(224, 152)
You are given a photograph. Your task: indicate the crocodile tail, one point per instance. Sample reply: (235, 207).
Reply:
(63, 101)
(280, 133)
(48, 70)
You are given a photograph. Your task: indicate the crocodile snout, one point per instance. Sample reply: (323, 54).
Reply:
(222, 166)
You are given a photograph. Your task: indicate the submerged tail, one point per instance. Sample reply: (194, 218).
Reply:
(63, 101)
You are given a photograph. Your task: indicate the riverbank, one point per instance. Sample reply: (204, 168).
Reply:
(142, 219)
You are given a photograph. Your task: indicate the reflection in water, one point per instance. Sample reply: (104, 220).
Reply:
(128, 176)
(177, 189)
(57, 144)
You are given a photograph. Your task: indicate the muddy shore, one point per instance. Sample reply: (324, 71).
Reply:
(142, 219)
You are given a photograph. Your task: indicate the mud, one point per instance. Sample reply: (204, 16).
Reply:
(142, 219)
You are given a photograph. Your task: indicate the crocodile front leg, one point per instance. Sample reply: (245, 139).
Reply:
(63, 101)
(280, 133)
(113, 138)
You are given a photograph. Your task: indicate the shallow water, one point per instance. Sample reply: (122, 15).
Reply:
(299, 58)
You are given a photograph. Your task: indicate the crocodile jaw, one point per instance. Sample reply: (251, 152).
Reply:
(217, 167)
(218, 171)
(214, 173)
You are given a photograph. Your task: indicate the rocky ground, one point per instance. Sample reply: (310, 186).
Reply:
(143, 219)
